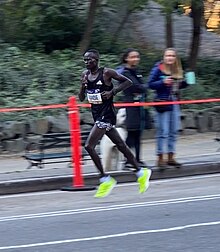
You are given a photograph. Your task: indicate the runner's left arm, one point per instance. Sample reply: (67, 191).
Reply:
(123, 81)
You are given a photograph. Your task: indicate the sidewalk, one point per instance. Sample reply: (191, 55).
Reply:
(199, 154)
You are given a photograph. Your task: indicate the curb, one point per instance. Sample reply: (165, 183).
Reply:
(57, 182)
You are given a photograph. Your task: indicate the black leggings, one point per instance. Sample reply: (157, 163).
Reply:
(134, 141)
(95, 135)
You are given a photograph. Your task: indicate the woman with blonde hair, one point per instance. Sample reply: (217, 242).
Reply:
(166, 79)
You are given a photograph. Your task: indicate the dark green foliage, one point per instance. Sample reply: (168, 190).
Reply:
(208, 83)
(48, 25)
(31, 78)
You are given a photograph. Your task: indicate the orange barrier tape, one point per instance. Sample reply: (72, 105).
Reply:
(166, 103)
(138, 104)
(135, 104)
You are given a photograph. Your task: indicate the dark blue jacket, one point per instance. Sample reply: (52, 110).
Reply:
(137, 87)
(155, 82)
(135, 116)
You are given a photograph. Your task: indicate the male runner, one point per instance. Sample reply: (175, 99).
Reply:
(96, 84)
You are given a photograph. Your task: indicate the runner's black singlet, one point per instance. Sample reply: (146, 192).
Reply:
(102, 110)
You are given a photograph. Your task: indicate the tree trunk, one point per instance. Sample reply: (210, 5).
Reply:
(197, 7)
(169, 30)
(85, 42)
(119, 29)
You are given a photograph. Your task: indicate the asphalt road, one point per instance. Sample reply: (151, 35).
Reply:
(174, 215)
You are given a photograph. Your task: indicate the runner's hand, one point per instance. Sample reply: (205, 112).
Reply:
(84, 85)
(107, 95)
(84, 82)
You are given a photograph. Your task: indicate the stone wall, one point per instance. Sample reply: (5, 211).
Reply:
(14, 136)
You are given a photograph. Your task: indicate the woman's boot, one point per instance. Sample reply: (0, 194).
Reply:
(160, 162)
(172, 162)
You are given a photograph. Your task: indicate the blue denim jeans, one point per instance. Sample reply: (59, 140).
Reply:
(167, 126)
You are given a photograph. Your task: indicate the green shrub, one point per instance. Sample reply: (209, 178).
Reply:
(32, 78)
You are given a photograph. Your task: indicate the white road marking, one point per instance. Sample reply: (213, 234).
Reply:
(159, 181)
(111, 236)
(110, 208)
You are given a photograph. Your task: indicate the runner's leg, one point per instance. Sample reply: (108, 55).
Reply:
(95, 135)
(122, 147)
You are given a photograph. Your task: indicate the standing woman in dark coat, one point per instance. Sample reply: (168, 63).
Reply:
(135, 116)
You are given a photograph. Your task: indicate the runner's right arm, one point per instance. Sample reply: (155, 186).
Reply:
(83, 87)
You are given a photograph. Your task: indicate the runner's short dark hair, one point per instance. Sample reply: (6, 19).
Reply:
(94, 51)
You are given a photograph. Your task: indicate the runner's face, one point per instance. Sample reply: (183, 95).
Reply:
(169, 57)
(133, 58)
(90, 60)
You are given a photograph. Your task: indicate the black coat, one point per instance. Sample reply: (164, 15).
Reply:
(135, 116)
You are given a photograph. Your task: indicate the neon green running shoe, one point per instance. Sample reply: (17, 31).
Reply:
(105, 188)
(144, 180)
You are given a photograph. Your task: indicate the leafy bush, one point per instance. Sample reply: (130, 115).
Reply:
(46, 25)
(31, 78)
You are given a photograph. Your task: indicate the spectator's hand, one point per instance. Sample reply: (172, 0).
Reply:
(168, 81)
(106, 95)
